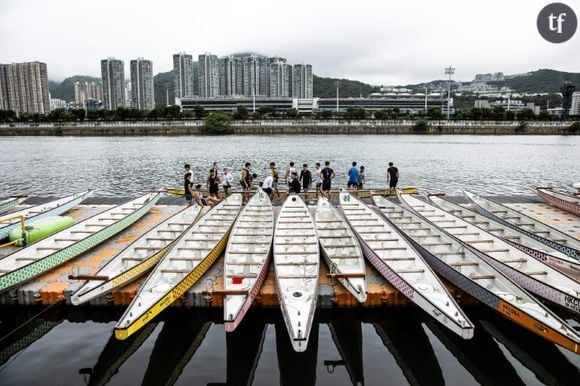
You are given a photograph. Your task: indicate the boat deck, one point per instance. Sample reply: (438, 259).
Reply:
(55, 285)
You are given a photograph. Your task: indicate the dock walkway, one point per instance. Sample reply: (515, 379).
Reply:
(56, 286)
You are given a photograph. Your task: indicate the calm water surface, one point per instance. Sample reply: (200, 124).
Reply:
(390, 347)
(114, 166)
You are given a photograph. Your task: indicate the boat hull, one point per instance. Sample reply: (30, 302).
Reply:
(559, 202)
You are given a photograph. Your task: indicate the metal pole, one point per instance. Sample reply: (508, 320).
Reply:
(254, 98)
(449, 71)
(425, 100)
(337, 86)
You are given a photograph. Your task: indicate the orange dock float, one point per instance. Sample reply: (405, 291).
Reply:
(56, 286)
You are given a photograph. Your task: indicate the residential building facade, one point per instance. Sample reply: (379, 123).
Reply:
(142, 95)
(280, 78)
(256, 75)
(209, 85)
(302, 84)
(87, 90)
(24, 88)
(183, 73)
(230, 76)
(113, 79)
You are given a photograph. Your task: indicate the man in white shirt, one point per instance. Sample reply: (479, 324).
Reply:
(227, 179)
(267, 185)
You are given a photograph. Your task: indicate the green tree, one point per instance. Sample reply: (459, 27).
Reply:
(421, 126)
(510, 115)
(291, 113)
(355, 113)
(199, 111)
(526, 115)
(78, 114)
(435, 113)
(7, 116)
(574, 128)
(217, 123)
(324, 114)
(544, 115)
(241, 113)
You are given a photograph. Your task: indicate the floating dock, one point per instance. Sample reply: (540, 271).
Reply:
(55, 286)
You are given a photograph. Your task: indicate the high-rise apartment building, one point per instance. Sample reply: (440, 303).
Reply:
(24, 88)
(256, 74)
(87, 90)
(209, 85)
(302, 85)
(113, 76)
(230, 75)
(280, 78)
(142, 95)
(184, 85)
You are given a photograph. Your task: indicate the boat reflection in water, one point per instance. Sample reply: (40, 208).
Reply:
(296, 368)
(244, 347)
(495, 355)
(114, 354)
(403, 335)
(176, 344)
(544, 359)
(480, 355)
(346, 333)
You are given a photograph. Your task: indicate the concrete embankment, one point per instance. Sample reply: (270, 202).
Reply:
(273, 127)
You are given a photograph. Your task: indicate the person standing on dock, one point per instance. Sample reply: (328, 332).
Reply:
(327, 175)
(392, 178)
(275, 177)
(227, 180)
(361, 177)
(289, 173)
(318, 180)
(187, 186)
(352, 177)
(213, 183)
(306, 178)
(246, 180)
(294, 186)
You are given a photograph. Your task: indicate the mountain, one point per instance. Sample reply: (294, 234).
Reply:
(326, 88)
(66, 89)
(163, 83)
(540, 81)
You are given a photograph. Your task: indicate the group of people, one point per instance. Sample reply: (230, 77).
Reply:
(297, 182)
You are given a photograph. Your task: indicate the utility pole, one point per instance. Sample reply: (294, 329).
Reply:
(449, 71)
(254, 98)
(337, 86)
(426, 100)
(167, 97)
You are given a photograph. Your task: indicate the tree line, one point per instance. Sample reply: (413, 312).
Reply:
(242, 113)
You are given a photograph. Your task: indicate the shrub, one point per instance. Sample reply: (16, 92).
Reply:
(217, 123)
(521, 128)
(574, 128)
(422, 126)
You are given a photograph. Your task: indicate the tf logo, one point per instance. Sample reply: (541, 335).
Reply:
(557, 22)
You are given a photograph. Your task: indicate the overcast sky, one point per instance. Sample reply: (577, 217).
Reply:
(381, 42)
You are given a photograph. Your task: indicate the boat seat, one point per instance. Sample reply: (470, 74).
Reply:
(513, 261)
(47, 248)
(247, 227)
(511, 218)
(331, 237)
(471, 216)
(495, 250)
(536, 273)
(168, 231)
(249, 242)
(450, 253)
(294, 253)
(107, 219)
(175, 270)
(296, 263)
(304, 217)
(243, 275)
(371, 226)
(425, 236)
(297, 276)
(526, 225)
(67, 240)
(442, 221)
(478, 241)
(345, 257)
(410, 271)
(147, 248)
(331, 229)
(512, 237)
(434, 244)
(455, 227)
(389, 248)
(417, 229)
(159, 238)
(185, 259)
(362, 219)
(244, 263)
(398, 258)
(81, 232)
(467, 234)
(132, 258)
(373, 232)
(464, 264)
(24, 259)
(499, 211)
(118, 213)
(97, 225)
(179, 223)
(194, 249)
(247, 252)
(481, 277)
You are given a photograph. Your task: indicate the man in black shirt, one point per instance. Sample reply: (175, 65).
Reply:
(392, 178)
(327, 175)
(187, 184)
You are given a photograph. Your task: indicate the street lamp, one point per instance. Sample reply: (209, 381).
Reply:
(337, 87)
(449, 71)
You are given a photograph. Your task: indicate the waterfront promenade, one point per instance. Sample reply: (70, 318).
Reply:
(285, 126)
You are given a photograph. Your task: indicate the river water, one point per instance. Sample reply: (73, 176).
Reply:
(127, 166)
(66, 346)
